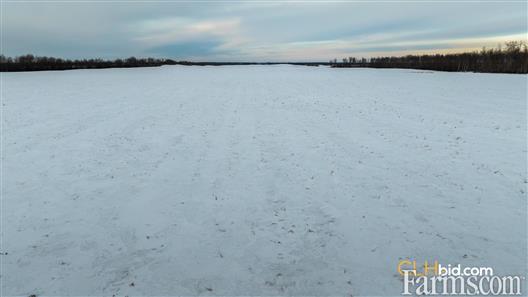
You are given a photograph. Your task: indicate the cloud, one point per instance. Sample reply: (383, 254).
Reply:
(187, 49)
(188, 38)
(161, 31)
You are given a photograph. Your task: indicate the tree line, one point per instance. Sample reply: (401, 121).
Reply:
(34, 63)
(513, 58)
(38, 63)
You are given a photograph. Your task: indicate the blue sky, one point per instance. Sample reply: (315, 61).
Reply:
(256, 31)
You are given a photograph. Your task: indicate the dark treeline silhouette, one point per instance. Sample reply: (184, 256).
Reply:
(40, 63)
(35, 63)
(512, 59)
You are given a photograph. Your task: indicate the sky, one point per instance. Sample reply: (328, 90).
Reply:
(256, 31)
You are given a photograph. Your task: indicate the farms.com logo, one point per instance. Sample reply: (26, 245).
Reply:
(433, 278)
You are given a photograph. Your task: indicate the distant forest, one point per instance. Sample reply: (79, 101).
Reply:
(513, 58)
(40, 63)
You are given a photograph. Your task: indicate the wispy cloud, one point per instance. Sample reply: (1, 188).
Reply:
(163, 31)
(189, 37)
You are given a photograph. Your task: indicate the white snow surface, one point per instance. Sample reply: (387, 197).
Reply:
(257, 180)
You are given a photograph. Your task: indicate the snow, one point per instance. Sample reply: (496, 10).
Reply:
(257, 180)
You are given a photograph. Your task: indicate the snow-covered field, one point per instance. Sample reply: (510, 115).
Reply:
(257, 180)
